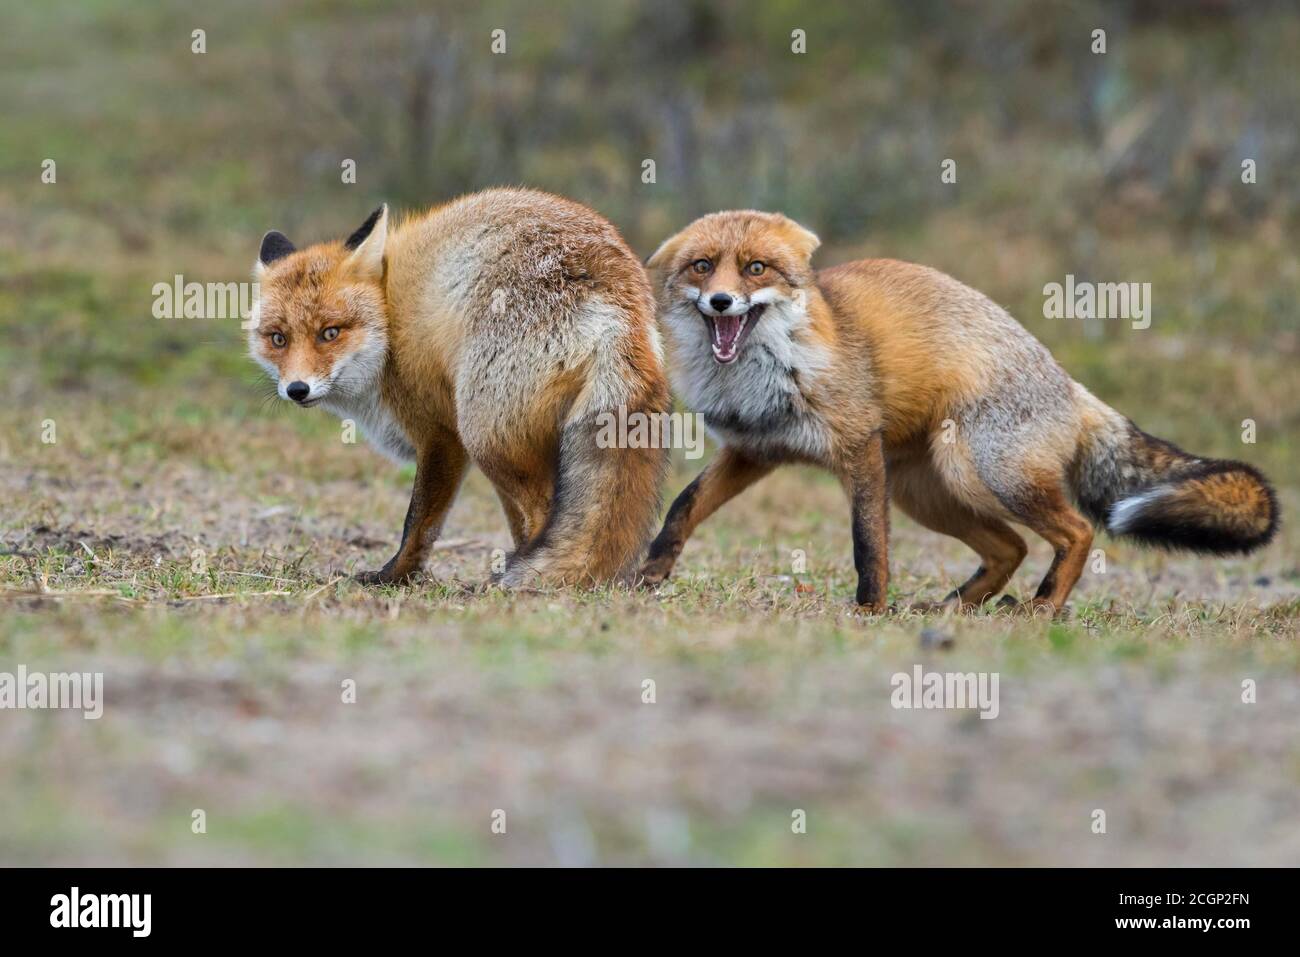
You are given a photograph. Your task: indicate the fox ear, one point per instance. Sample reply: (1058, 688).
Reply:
(275, 245)
(660, 257)
(804, 240)
(367, 245)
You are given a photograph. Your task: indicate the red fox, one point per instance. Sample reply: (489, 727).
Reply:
(903, 382)
(493, 330)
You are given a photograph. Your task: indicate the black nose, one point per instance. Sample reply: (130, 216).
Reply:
(720, 301)
(298, 391)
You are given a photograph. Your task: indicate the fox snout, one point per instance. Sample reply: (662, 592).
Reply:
(305, 392)
(722, 304)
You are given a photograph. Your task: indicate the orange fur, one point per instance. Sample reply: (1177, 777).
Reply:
(504, 323)
(881, 367)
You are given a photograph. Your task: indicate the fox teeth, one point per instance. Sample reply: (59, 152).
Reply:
(735, 343)
(739, 329)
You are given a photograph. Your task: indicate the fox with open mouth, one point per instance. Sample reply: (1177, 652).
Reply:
(909, 385)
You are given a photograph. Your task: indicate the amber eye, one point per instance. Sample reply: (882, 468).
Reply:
(702, 266)
(330, 334)
(755, 268)
(278, 340)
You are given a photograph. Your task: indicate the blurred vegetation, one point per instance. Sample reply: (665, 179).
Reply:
(1120, 166)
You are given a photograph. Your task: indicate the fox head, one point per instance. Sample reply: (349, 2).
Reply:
(320, 327)
(734, 277)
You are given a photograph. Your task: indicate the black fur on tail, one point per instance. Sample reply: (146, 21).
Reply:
(1151, 491)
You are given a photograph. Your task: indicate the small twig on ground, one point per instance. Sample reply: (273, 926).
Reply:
(317, 591)
(46, 593)
(235, 594)
(270, 578)
(452, 544)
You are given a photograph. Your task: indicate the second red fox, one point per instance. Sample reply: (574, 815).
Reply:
(859, 368)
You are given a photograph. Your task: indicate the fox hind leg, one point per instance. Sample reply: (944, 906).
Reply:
(514, 518)
(600, 515)
(1000, 550)
(1070, 535)
(1037, 500)
(920, 493)
(525, 489)
(525, 505)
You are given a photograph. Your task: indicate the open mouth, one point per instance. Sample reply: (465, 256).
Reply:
(729, 332)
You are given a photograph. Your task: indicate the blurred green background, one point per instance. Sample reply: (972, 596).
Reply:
(1124, 166)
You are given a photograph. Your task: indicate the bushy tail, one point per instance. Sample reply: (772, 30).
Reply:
(605, 507)
(606, 498)
(1149, 490)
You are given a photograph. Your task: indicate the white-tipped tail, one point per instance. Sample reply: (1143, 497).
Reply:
(1126, 511)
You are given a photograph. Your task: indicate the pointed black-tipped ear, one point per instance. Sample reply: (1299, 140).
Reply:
(275, 245)
(367, 245)
(357, 238)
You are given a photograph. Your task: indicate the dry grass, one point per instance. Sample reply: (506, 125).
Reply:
(769, 697)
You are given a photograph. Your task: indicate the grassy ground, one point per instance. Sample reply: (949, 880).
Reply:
(223, 686)
(193, 542)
